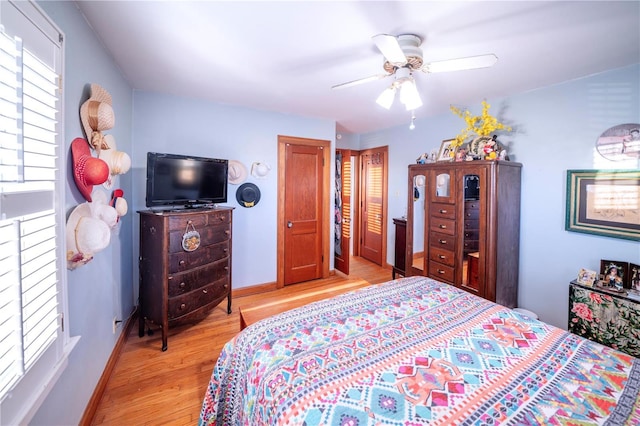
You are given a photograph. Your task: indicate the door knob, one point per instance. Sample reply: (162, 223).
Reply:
(289, 224)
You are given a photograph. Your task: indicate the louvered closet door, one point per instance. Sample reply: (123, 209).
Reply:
(373, 207)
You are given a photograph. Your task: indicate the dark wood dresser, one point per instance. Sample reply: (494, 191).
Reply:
(180, 283)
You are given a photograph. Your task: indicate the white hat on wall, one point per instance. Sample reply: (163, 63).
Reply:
(260, 170)
(237, 172)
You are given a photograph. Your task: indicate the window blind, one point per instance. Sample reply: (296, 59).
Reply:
(29, 307)
(10, 139)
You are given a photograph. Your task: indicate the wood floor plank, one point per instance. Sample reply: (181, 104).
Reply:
(151, 387)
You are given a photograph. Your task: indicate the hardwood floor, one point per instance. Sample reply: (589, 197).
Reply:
(151, 387)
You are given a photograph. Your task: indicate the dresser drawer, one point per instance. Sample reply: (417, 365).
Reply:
(218, 217)
(179, 222)
(442, 241)
(472, 205)
(447, 211)
(208, 235)
(188, 302)
(441, 272)
(440, 255)
(185, 260)
(470, 245)
(446, 226)
(471, 234)
(199, 277)
(471, 224)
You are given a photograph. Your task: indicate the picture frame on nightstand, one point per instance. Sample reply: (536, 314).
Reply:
(587, 277)
(634, 277)
(613, 274)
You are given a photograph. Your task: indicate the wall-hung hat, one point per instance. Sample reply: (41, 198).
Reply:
(237, 172)
(248, 195)
(119, 203)
(119, 162)
(260, 170)
(87, 170)
(101, 209)
(96, 114)
(86, 235)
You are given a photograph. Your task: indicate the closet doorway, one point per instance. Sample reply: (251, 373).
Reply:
(373, 205)
(360, 207)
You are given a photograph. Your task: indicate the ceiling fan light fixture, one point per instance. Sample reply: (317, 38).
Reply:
(385, 99)
(409, 95)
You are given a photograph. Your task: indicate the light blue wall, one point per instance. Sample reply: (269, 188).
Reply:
(557, 129)
(176, 125)
(103, 288)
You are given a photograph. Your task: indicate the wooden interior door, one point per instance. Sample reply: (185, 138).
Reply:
(342, 217)
(303, 213)
(373, 183)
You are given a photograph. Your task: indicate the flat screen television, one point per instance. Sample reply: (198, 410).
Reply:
(185, 181)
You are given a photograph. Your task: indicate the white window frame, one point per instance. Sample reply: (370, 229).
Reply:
(43, 38)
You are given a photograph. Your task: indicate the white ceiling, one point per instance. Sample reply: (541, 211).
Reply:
(285, 55)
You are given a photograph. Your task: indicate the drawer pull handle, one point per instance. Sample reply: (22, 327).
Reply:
(189, 222)
(204, 291)
(226, 268)
(226, 286)
(442, 241)
(182, 284)
(227, 232)
(440, 271)
(442, 256)
(181, 263)
(443, 211)
(183, 306)
(225, 249)
(442, 226)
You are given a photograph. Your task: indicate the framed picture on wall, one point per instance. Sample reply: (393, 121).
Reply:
(447, 151)
(604, 202)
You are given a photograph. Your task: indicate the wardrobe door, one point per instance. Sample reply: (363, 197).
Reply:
(472, 199)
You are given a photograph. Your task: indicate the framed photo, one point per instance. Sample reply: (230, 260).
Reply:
(604, 202)
(620, 142)
(634, 276)
(614, 273)
(587, 277)
(447, 152)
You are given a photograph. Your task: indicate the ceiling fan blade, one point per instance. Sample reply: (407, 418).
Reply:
(469, 63)
(360, 81)
(390, 48)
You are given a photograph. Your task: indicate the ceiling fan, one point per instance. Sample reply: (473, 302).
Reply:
(403, 56)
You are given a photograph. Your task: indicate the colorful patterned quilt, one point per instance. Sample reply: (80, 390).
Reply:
(412, 352)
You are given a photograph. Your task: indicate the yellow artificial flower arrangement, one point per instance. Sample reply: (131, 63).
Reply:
(478, 125)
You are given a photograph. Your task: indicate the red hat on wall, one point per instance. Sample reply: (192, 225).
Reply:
(87, 170)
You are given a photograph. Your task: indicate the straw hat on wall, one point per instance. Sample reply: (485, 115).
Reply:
(97, 116)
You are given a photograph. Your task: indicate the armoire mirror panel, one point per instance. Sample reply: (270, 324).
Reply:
(418, 202)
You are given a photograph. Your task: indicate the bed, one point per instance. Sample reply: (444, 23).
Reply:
(416, 351)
